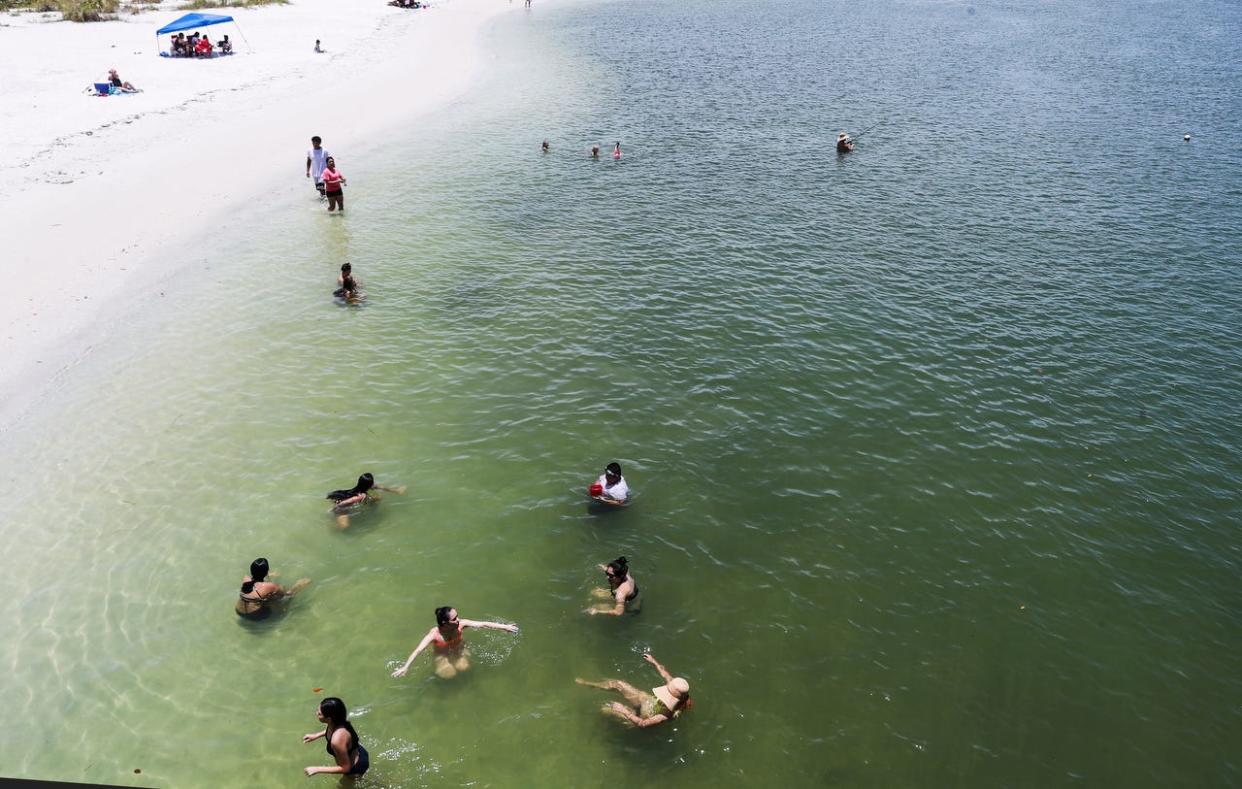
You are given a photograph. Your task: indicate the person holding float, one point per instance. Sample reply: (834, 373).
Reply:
(645, 709)
(621, 594)
(352, 499)
(451, 655)
(610, 488)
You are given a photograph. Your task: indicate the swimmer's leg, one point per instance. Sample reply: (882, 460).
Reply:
(631, 694)
(342, 521)
(297, 587)
(444, 669)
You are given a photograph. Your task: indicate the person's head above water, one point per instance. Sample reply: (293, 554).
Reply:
(613, 471)
(446, 615)
(347, 268)
(332, 710)
(545, 145)
(619, 568)
(259, 569)
(365, 483)
(841, 136)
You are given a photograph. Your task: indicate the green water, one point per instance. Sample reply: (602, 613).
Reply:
(933, 446)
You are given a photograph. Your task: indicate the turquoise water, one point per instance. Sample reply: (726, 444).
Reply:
(933, 445)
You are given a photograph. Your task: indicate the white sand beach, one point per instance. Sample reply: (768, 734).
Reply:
(104, 188)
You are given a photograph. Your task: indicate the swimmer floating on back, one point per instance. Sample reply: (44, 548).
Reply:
(621, 594)
(258, 594)
(645, 709)
(446, 639)
(360, 494)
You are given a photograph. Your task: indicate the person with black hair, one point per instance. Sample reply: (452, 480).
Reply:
(348, 286)
(352, 498)
(257, 594)
(343, 745)
(451, 655)
(611, 487)
(622, 592)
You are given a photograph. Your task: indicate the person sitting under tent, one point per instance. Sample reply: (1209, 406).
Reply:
(225, 46)
(203, 48)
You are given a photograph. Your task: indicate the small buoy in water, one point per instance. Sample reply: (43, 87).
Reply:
(1186, 137)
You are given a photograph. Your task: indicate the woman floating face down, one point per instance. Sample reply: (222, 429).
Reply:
(258, 595)
(343, 745)
(622, 592)
(349, 499)
(451, 655)
(645, 709)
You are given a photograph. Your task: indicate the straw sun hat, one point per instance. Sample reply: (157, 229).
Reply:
(841, 136)
(672, 693)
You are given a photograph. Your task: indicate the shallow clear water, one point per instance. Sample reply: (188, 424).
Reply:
(933, 445)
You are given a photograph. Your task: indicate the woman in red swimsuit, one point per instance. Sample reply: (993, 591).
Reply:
(451, 655)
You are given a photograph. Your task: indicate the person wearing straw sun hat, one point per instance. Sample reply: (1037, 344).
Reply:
(844, 143)
(644, 709)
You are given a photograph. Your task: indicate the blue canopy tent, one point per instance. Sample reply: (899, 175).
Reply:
(193, 22)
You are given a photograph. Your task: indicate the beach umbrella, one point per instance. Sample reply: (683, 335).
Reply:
(194, 22)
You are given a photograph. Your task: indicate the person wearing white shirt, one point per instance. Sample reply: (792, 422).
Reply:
(610, 488)
(316, 160)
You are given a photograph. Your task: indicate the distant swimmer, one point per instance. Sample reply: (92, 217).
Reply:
(319, 48)
(844, 143)
(333, 185)
(351, 499)
(611, 487)
(545, 146)
(645, 709)
(616, 151)
(621, 594)
(1186, 137)
(258, 594)
(316, 159)
(445, 638)
(348, 286)
(343, 745)
(595, 151)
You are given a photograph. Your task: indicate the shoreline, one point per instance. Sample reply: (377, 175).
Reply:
(102, 211)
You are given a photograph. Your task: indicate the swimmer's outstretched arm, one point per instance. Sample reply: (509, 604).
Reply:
(616, 608)
(663, 671)
(421, 646)
(489, 625)
(399, 490)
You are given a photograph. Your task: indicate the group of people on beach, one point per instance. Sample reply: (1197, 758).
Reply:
(259, 598)
(196, 45)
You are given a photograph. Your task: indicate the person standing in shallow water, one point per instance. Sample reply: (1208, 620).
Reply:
(349, 500)
(622, 592)
(595, 151)
(316, 160)
(645, 709)
(334, 185)
(258, 594)
(844, 143)
(616, 151)
(343, 745)
(445, 638)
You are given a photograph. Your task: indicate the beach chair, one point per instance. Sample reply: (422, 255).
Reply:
(103, 88)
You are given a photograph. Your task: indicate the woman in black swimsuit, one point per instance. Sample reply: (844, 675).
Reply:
(622, 591)
(256, 596)
(343, 746)
(348, 286)
(348, 499)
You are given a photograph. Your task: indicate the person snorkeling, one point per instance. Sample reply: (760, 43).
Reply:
(621, 594)
(645, 709)
(350, 499)
(258, 594)
(451, 655)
